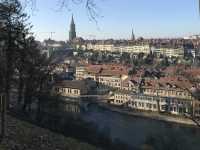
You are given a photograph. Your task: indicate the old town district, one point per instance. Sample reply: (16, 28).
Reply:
(172, 90)
(100, 69)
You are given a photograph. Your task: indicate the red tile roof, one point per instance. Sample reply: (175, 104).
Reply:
(178, 82)
(107, 69)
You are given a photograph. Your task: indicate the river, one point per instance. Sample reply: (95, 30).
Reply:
(137, 130)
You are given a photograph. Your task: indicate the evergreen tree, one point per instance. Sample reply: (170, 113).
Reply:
(12, 17)
(20, 58)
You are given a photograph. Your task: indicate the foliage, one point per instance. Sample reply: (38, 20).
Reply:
(22, 65)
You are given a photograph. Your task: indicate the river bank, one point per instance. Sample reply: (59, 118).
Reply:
(150, 115)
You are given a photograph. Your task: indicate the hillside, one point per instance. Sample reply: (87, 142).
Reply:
(24, 136)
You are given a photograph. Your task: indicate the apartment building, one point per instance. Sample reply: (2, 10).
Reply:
(169, 52)
(104, 75)
(100, 47)
(121, 98)
(177, 87)
(142, 48)
(136, 49)
(135, 101)
(131, 84)
(168, 94)
(80, 72)
(148, 103)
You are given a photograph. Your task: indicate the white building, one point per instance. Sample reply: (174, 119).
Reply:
(70, 88)
(105, 75)
(80, 72)
(169, 52)
(117, 48)
(121, 98)
(174, 106)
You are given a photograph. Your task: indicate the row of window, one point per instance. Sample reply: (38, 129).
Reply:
(183, 93)
(108, 80)
(121, 96)
(178, 109)
(67, 90)
(143, 105)
(119, 101)
(154, 99)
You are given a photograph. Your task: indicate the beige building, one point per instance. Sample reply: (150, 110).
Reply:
(105, 75)
(114, 81)
(100, 47)
(80, 72)
(168, 94)
(131, 84)
(169, 52)
(174, 106)
(143, 48)
(121, 98)
(70, 88)
(177, 87)
(136, 49)
(148, 103)
(139, 102)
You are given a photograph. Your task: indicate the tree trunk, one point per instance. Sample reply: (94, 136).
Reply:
(3, 116)
(20, 89)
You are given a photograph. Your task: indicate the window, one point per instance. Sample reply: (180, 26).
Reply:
(142, 104)
(150, 106)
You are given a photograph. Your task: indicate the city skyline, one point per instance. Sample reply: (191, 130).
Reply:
(164, 20)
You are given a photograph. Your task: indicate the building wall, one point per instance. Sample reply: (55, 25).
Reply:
(179, 106)
(167, 92)
(196, 108)
(67, 91)
(80, 73)
(121, 98)
(112, 48)
(112, 81)
(155, 103)
(129, 86)
(143, 102)
(169, 52)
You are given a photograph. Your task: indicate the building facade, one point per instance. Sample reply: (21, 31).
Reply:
(169, 52)
(136, 49)
(70, 88)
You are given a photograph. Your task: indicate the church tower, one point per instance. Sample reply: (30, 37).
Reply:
(132, 36)
(72, 31)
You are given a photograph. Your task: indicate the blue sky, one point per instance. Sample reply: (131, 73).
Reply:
(149, 18)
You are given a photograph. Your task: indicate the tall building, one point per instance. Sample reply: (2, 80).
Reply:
(132, 36)
(72, 31)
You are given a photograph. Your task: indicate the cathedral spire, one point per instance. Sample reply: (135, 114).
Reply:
(72, 31)
(132, 36)
(72, 20)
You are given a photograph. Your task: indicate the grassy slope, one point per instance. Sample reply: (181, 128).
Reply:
(24, 136)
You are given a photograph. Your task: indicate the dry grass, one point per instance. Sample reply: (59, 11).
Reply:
(24, 136)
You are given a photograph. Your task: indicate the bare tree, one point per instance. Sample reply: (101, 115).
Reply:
(91, 7)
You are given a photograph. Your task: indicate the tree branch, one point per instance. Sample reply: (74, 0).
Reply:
(90, 5)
